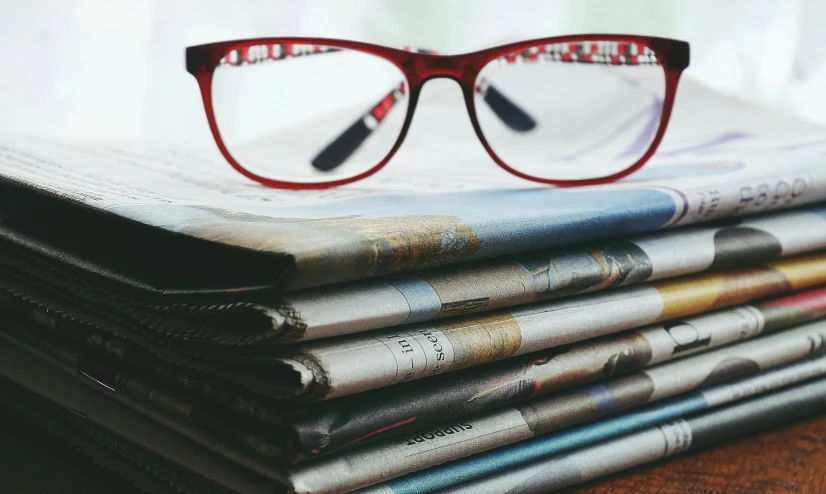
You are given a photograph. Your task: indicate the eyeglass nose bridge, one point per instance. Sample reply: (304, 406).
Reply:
(428, 66)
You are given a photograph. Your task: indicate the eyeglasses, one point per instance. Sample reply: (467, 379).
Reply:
(301, 113)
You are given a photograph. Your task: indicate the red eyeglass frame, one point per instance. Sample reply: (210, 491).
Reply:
(418, 68)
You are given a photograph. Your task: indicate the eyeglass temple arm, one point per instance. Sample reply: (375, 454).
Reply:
(343, 146)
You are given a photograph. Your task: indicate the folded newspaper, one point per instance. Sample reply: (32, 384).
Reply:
(325, 341)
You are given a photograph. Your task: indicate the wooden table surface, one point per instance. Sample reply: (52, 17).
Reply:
(783, 460)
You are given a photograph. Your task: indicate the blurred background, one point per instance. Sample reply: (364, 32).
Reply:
(115, 69)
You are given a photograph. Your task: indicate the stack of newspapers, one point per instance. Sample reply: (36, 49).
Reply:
(440, 328)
